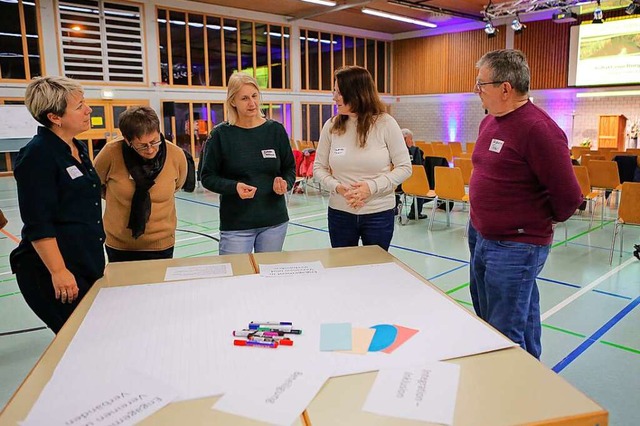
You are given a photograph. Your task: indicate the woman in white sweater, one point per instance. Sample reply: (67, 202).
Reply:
(361, 159)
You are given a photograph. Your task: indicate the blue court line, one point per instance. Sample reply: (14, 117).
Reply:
(577, 286)
(198, 202)
(447, 272)
(595, 336)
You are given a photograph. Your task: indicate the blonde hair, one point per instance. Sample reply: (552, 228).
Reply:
(236, 81)
(46, 95)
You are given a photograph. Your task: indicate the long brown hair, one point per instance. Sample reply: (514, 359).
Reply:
(358, 92)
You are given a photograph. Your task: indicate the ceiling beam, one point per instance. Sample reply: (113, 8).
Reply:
(420, 5)
(346, 4)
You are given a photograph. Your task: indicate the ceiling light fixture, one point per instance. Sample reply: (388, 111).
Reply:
(490, 29)
(597, 15)
(633, 8)
(322, 2)
(398, 17)
(516, 25)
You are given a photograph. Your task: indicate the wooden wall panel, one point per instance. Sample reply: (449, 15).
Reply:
(464, 51)
(440, 64)
(418, 65)
(546, 45)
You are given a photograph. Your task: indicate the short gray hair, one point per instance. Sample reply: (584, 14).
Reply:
(508, 65)
(407, 132)
(236, 81)
(46, 95)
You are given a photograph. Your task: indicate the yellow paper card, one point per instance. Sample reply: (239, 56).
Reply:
(360, 340)
(96, 121)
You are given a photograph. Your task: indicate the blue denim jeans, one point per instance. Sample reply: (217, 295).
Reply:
(260, 240)
(346, 229)
(504, 289)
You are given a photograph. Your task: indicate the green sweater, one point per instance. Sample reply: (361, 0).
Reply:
(255, 157)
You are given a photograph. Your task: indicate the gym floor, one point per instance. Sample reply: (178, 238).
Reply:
(590, 309)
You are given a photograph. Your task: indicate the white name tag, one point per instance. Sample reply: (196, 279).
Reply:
(339, 151)
(496, 145)
(268, 153)
(74, 172)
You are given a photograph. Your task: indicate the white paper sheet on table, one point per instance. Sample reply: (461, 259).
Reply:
(427, 394)
(276, 396)
(276, 270)
(181, 333)
(94, 396)
(175, 273)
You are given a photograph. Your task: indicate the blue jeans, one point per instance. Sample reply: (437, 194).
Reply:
(346, 229)
(260, 240)
(504, 290)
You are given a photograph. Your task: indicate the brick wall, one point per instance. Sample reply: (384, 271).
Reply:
(456, 117)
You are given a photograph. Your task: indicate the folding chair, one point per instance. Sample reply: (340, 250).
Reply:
(469, 147)
(604, 175)
(590, 196)
(456, 148)
(450, 186)
(628, 213)
(442, 150)
(417, 186)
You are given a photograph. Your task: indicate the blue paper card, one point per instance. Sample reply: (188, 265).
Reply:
(335, 337)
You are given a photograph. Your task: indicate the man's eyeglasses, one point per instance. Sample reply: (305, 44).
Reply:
(478, 86)
(147, 146)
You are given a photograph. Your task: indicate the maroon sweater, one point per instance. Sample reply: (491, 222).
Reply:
(522, 177)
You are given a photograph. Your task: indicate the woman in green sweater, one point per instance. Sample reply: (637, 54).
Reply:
(248, 161)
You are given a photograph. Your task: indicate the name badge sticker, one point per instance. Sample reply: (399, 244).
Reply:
(496, 145)
(74, 172)
(268, 153)
(339, 151)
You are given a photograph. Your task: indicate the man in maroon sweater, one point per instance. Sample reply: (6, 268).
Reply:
(522, 183)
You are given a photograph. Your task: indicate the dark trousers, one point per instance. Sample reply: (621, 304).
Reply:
(346, 229)
(34, 281)
(115, 255)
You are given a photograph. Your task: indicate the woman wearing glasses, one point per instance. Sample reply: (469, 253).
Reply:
(140, 174)
(60, 255)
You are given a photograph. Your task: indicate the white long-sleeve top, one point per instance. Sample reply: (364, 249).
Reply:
(340, 160)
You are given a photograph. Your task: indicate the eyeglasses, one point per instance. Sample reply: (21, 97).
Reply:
(478, 86)
(146, 146)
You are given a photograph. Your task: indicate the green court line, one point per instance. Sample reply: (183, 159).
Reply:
(624, 348)
(572, 333)
(460, 287)
(202, 253)
(8, 279)
(562, 330)
(9, 294)
(601, 226)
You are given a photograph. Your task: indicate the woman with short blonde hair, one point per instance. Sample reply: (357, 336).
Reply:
(61, 252)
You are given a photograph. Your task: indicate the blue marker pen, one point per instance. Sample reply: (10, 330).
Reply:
(272, 322)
